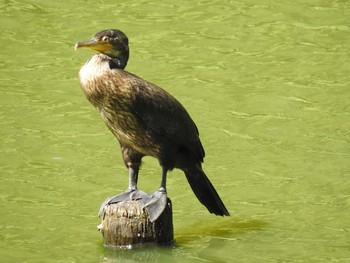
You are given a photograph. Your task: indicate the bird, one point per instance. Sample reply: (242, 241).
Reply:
(147, 121)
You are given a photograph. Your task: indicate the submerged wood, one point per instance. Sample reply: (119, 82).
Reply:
(126, 224)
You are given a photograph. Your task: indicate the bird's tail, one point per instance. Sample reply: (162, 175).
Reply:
(205, 191)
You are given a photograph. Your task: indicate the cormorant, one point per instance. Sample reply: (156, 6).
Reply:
(147, 121)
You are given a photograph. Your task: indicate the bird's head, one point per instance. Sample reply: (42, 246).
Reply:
(112, 42)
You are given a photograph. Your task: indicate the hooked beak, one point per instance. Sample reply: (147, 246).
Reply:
(93, 44)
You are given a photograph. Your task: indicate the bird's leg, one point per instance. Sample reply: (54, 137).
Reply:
(155, 203)
(131, 193)
(133, 177)
(162, 187)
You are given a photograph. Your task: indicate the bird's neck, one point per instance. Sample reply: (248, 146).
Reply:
(117, 62)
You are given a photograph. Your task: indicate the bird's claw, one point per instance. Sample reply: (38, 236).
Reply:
(155, 204)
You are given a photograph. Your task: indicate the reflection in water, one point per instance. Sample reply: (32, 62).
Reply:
(226, 229)
(230, 229)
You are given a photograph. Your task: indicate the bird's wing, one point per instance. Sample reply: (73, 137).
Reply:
(162, 113)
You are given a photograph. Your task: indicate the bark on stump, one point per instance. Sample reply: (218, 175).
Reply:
(126, 224)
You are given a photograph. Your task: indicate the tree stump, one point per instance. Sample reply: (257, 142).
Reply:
(126, 224)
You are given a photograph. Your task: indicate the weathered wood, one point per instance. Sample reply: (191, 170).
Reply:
(126, 224)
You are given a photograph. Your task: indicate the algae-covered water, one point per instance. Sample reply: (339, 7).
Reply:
(267, 84)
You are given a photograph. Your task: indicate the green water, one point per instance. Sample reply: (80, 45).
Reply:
(267, 83)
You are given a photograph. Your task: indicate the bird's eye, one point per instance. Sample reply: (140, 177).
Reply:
(105, 39)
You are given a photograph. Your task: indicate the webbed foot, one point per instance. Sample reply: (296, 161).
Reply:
(154, 203)
(134, 194)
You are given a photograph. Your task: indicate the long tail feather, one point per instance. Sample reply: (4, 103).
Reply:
(205, 191)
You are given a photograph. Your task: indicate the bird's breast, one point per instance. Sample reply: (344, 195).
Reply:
(92, 75)
(112, 93)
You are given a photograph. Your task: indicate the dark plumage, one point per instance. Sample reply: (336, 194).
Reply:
(146, 120)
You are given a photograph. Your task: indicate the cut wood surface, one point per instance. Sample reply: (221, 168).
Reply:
(126, 224)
